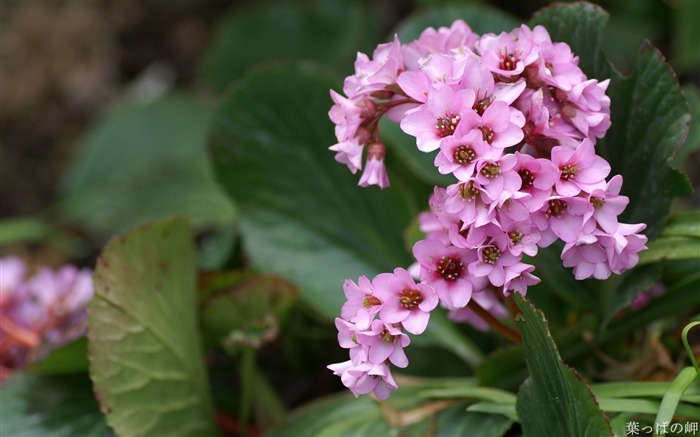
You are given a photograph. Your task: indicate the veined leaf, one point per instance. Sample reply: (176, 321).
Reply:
(144, 348)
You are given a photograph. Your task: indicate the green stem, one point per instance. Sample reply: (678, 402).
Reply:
(670, 401)
(247, 382)
(691, 354)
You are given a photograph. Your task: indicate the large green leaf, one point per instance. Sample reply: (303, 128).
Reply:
(480, 18)
(302, 215)
(581, 25)
(650, 119)
(143, 162)
(144, 348)
(649, 114)
(332, 32)
(553, 400)
(50, 406)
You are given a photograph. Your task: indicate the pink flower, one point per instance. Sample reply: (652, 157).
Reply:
(500, 125)
(579, 169)
(376, 74)
(438, 118)
(445, 269)
(561, 217)
(508, 54)
(518, 278)
(460, 154)
(607, 205)
(40, 313)
(556, 65)
(375, 170)
(538, 177)
(362, 303)
(494, 260)
(458, 40)
(365, 378)
(384, 341)
(405, 301)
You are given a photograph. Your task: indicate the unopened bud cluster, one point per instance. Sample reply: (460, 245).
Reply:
(515, 120)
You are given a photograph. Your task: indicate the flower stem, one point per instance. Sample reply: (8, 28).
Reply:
(497, 326)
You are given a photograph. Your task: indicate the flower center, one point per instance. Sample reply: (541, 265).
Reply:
(486, 133)
(446, 125)
(515, 236)
(371, 301)
(508, 60)
(481, 105)
(597, 202)
(386, 336)
(491, 170)
(410, 299)
(568, 171)
(464, 155)
(556, 208)
(450, 268)
(468, 191)
(490, 254)
(527, 177)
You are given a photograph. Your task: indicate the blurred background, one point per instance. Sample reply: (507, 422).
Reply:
(97, 97)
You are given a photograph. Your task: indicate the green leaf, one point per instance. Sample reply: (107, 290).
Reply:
(633, 283)
(144, 348)
(249, 313)
(506, 368)
(455, 421)
(144, 162)
(335, 416)
(671, 248)
(331, 32)
(553, 400)
(642, 142)
(683, 224)
(480, 18)
(692, 143)
(686, 34)
(71, 358)
(50, 406)
(581, 25)
(409, 409)
(302, 215)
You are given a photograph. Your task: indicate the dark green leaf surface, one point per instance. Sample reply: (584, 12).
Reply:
(481, 19)
(553, 400)
(70, 358)
(144, 162)
(302, 214)
(581, 25)
(144, 348)
(455, 421)
(331, 32)
(650, 122)
(50, 406)
(671, 248)
(633, 283)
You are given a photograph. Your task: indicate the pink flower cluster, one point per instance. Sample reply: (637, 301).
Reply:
(39, 313)
(515, 120)
(400, 304)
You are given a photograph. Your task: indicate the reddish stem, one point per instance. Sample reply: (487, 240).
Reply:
(497, 326)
